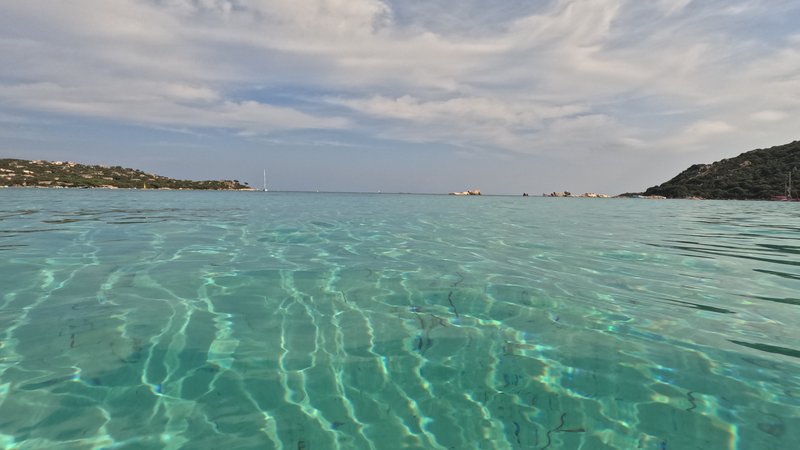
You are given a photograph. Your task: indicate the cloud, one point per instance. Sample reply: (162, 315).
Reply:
(518, 114)
(528, 77)
(671, 7)
(708, 127)
(470, 121)
(769, 116)
(162, 104)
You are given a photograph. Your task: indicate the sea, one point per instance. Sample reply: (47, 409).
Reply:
(251, 320)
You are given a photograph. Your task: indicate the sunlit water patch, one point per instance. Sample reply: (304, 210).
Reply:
(142, 319)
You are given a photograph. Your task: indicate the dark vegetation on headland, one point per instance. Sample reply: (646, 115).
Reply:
(24, 173)
(761, 174)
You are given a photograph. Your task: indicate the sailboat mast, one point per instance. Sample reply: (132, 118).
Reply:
(265, 180)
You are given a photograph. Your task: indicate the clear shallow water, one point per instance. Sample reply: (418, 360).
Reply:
(142, 319)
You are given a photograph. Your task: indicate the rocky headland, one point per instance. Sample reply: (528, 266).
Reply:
(762, 174)
(60, 174)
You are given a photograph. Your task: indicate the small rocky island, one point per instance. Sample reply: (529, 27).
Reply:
(470, 192)
(59, 174)
(570, 194)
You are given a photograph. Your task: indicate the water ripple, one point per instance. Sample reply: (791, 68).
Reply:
(244, 320)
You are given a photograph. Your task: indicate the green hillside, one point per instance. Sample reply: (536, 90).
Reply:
(755, 175)
(24, 173)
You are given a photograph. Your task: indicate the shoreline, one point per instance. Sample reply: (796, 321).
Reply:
(114, 188)
(618, 197)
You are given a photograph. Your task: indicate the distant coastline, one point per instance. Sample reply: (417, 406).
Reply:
(23, 173)
(762, 174)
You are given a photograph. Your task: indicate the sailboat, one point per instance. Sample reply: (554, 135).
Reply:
(788, 191)
(789, 188)
(265, 180)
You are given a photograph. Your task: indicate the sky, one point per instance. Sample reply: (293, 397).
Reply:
(430, 96)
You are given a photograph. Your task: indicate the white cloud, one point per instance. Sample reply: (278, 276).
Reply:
(769, 116)
(591, 73)
(708, 127)
(511, 114)
(574, 22)
(671, 7)
(471, 121)
(167, 104)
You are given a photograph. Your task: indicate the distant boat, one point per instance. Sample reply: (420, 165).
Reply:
(265, 180)
(788, 191)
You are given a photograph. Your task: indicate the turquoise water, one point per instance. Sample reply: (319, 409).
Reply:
(206, 320)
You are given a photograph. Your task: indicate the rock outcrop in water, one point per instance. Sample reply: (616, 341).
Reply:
(761, 174)
(472, 192)
(24, 173)
(570, 194)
